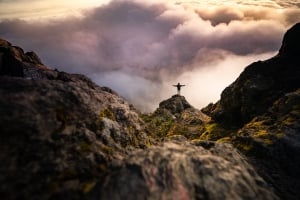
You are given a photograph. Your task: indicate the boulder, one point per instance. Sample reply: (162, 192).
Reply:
(181, 170)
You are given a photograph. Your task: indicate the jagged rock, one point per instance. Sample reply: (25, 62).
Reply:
(174, 117)
(59, 132)
(33, 58)
(273, 140)
(14, 62)
(291, 42)
(184, 171)
(175, 105)
(260, 85)
(261, 113)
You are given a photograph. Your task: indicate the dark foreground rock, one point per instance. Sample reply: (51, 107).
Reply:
(184, 171)
(59, 132)
(59, 135)
(272, 141)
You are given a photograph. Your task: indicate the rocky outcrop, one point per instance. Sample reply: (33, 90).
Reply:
(184, 171)
(260, 85)
(14, 62)
(260, 112)
(175, 105)
(272, 140)
(291, 43)
(175, 116)
(59, 132)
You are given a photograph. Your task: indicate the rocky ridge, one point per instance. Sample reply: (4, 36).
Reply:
(64, 137)
(59, 132)
(175, 117)
(259, 114)
(260, 84)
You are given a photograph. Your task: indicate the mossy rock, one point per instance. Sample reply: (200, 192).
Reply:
(215, 131)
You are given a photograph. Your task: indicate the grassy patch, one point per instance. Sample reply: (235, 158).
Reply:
(158, 126)
(107, 113)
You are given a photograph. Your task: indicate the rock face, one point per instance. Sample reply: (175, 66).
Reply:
(262, 107)
(273, 141)
(291, 42)
(184, 171)
(59, 132)
(64, 137)
(175, 117)
(14, 62)
(175, 105)
(260, 84)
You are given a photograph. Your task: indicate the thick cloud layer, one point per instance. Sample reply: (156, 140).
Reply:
(141, 49)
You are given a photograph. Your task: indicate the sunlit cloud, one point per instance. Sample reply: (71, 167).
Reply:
(140, 49)
(40, 9)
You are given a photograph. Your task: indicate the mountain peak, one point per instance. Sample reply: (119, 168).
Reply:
(291, 42)
(260, 84)
(15, 62)
(176, 104)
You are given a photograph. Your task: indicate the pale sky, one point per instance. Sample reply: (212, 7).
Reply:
(141, 48)
(29, 9)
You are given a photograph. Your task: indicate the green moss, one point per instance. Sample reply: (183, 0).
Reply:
(260, 134)
(178, 129)
(89, 186)
(215, 131)
(85, 147)
(246, 148)
(106, 113)
(280, 135)
(158, 126)
(263, 136)
(224, 139)
(106, 149)
(289, 121)
(244, 144)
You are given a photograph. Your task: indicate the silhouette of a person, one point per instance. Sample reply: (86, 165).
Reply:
(178, 87)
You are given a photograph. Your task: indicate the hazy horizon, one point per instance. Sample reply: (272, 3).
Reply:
(140, 49)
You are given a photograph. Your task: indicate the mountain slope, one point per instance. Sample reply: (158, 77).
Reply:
(261, 84)
(59, 132)
(261, 108)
